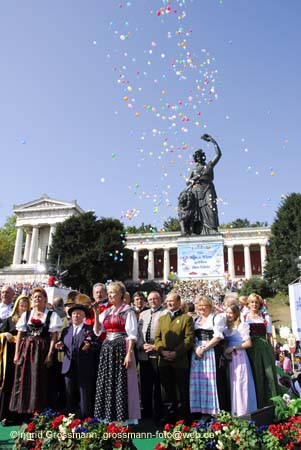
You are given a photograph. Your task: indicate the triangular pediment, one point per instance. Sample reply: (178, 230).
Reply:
(44, 203)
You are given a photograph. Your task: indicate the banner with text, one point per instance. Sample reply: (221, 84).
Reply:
(294, 291)
(201, 260)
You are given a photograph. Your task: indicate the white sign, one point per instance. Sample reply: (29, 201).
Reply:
(53, 292)
(201, 260)
(294, 291)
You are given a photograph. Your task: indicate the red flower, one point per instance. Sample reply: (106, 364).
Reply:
(180, 422)
(112, 428)
(168, 427)
(216, 426)
(57, 421)
(74, 424)
(38, 445)
(88, 419)
(31, 427)
(194, 424)
(118, 444)
(159, 446)
(186, 428)
(36, 321)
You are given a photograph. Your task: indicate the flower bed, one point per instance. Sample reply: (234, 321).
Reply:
(225, 432)
(54, 431)
(50, 430)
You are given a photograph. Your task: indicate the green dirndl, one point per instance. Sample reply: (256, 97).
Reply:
(264, 370)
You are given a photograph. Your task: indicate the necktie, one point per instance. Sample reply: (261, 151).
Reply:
(148, 330)
(74, 339)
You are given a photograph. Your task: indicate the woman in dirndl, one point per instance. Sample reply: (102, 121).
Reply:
(242, 387)
(261, 353)
(37, 334)
(7, 351)
(117, 394)
(208, 333)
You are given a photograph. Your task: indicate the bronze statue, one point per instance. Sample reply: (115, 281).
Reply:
(198, 208)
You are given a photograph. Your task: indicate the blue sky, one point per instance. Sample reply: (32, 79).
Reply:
(105, 102)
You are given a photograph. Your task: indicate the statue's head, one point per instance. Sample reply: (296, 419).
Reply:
(199, 156)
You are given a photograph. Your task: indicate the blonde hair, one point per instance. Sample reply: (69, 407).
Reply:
(254, 296)
(205, 299)
(119, 287)
(243, 300)
(15, 313)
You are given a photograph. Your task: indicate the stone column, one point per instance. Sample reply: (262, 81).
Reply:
(247, 257)
(135, 265)
(231, 266)
(166, 264)
(27, 245)
(51, 234)
(151, 265)
(34, 246)
(18, 246)
(263, 256)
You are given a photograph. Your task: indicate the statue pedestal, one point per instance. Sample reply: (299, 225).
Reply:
(201, 257)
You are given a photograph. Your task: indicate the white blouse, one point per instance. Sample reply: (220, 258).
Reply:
(265, 318)
(215, 322)
(55, 323)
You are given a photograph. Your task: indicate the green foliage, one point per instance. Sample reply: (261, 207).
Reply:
(7, 241)
(257, 285)
(171, 224)
(91, 250)
(281, 268)
(142, 229)
(285, 407)
(243, 223)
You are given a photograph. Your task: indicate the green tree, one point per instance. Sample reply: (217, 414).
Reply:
(142, 229)
(257, 285)
(171, 224)
(90, 249)
(281, 268)
(243, 223)
(7, 241)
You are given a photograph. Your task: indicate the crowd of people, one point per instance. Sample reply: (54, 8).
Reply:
(118, 358)
(189, 289)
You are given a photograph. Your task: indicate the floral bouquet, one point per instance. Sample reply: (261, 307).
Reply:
(50, 430)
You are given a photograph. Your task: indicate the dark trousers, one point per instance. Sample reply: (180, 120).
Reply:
(150, 388)
(82, 389)
(175, 380)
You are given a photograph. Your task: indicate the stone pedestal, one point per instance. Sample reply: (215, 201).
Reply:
(201, 257)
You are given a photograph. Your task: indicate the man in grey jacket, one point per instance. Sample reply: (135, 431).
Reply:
(148, 357)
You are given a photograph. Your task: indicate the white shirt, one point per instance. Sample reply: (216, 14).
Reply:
(77, 328)
(213, 322)
(6, 310)
(55, 323)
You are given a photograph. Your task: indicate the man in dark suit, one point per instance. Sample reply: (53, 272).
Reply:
(79, 367)
(174, 338)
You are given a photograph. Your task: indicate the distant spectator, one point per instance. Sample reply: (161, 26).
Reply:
(287, 363)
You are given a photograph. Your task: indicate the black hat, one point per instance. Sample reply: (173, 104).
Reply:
(78, 306)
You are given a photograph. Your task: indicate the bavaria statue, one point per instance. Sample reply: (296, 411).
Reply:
(197, 204)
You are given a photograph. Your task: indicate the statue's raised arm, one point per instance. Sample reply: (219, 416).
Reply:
(218, 153)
